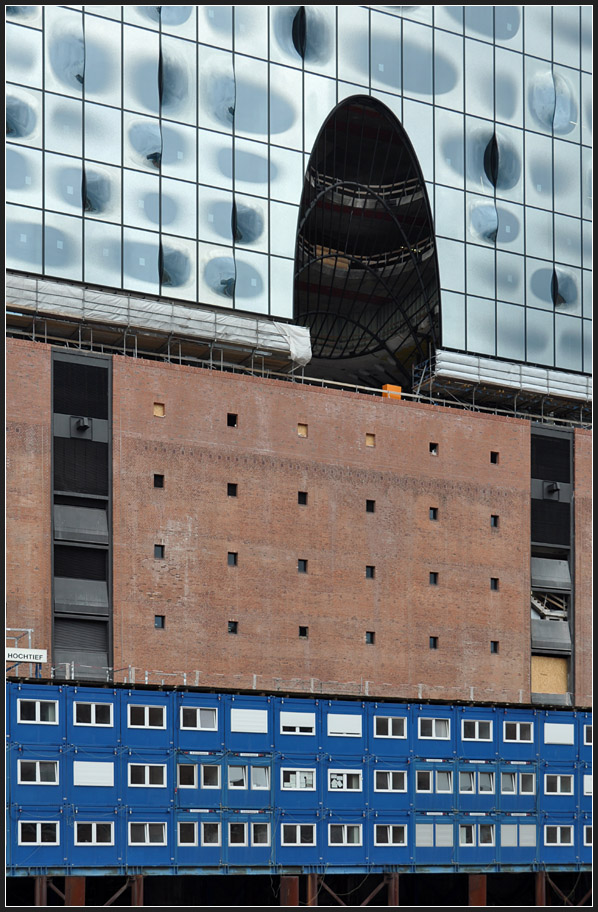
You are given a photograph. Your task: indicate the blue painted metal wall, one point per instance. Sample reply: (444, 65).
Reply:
(385, 786)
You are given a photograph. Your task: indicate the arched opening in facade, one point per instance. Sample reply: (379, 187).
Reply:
(366, 274)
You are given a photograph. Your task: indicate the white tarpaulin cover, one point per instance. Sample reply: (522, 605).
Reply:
(54, 298)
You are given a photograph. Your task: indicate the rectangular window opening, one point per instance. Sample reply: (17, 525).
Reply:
(370, 440)
(433, 449)
(233, 626)
(433, 513)
(302, 498)
(231, 419)
(433, 579)
(494, 583)
(304, 632)
(494, 646)
(158, 481)
(302, 430)
(494, 521)
(370, 571)
(433, 642)
(159, 621)
(231, 489)
(370, 506)
(159, 552)
(370, 637)
(494, 457)
(159, 410)
(301, 565)
(232, 558)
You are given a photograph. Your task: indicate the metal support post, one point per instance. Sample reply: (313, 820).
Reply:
(40, 891)
(393, 889)
(540, 888)
(312, 890)
(74, 891)
(289, 890)
(137, 890)
(477, 890)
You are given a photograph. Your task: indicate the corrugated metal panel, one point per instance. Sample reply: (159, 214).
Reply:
(550, 574)
(550, 635)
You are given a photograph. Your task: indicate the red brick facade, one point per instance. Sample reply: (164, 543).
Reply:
(198, 524)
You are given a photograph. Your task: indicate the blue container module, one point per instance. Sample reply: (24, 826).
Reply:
(132, 780)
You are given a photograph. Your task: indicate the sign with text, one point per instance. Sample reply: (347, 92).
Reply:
(26, 655)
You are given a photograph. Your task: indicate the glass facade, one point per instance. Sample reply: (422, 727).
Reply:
(162, 150)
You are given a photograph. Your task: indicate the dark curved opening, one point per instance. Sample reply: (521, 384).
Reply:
(299, 32)
(491, 161)
(366, 276)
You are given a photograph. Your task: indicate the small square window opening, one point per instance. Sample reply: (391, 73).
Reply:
(159, 621)
(158, 481)
(159, 410)
(433, 449)
(370, 572)
(233, 626)
(494, 521)
(231, 419)
(433, 579)
(159, 552)
(302, 430)
(304, 632)
(302, 498)
(433, 512)
(301, 565)
(370, 440)
(494, 457)
(231, 489)
(370, 637)
(433, 642)
(232, 558)
(494, 583)
(370, 506)
(494, 646)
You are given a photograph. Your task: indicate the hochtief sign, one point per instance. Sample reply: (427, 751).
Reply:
(26, 655)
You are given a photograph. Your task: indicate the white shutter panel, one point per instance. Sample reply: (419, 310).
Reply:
(91, 773)
(249, 720)
(527, 834)
(424, 834)
(559, 733)
(349, 726)
(444, 834)
(508, 834)
(296, 720)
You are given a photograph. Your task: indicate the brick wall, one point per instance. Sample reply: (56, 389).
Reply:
(583, 567)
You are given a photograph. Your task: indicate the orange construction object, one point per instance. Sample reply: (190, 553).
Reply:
(391, 392)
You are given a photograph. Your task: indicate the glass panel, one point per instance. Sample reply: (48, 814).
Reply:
(140, 71)
(216, 89)
(385, 42)
(23, 116)
(215, 215)
(23, 176)
(319, 100)
(448, 83)
(568, 337)
(566, 113)
(587, 346)
(251, 103)
(442, 728)
(481, 328)
(451, 264)
(510, 332)
(540, 94)
(48, 771)
(215, 159)
(47, 711)
(211, 833)
(140, 261)
(480, 271)
(538, 31)
(136, 775)
(179, 265)
(251, 287)
(84, 832)
(179, 20)
(156, 716)
(251, 223)
(210, 776)
(217, 275)
(64, 51)
(479, 82)
(281, 293)
(260, 777)
(215, 24)
(207, 719)
(453, 320)
(251, 167)
(27, 710)
(539, 284)
(179, 151)
(449, 156)
(320, 40)
(586, 182)
(156, 832)
(449, 18)
(482, 216)
(260, 834)
(509, 184)
(103, 267)
(283, 229)
(48, 832)
(103, 134)
(540, 337)
(418, 120)
(286, 107)
(179, 79)
(102, 192)
(62, 246)
(237, 776)
(586, 38)
(23, 238)
(508, 26)
(510, 227)
(586, 109)
(286, 175)
(111, 12)
(141, 199)
(567, 237)
(102, 61)
(566, 44)
(63, 125)
(586, 229)
(486, 781)
(479, 21)
(178, 208)
(417, 60)
(282, 49)
(28, 15)
(251, 30)
(508, 87)
(538, 233)
(449, 208)
(478, 135)
(353, 44)
(156, 775)
(508, 783)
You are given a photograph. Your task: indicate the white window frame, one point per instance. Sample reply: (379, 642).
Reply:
(211, 823)
(38, 825)
(486, 791)
(518, 739)
(182, 785)
(238, 823)
(434, 829)
(297, 772)
(345, 830)
(93, 723)
(180, 823)
(298, 827)
(418, 788)
(343, 775)
(146, 824)
(288, 725)
(473, 780)
(523, 791)
(518, 782)
(238, 766)
(37, 720)
(146, 768)
(559, 782)
(434, 736)
(587, 828)
(512, 777)
(559, 828)
(37, 780)
(390, 720)
(587, 730)
(259, 788)
(215, 766)
(476, 723)
(492, 828)
(262, 823)
(390, 827)
(587, 784)
(94, 830)
(444, 791)
(390, 774)
(146, 707)
(464, 842)
(198, 726)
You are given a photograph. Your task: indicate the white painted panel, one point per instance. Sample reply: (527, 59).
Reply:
(559, 733)
(298, 720)
(424, 834)
(350, 726)
(91, 773)
(587, 784)
(249, 720)
(444, 834)
(527, 834)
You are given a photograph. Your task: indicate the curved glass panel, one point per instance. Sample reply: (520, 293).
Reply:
(366, 277)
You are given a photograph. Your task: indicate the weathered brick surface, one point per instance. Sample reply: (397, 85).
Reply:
(583, 568)
(28, 491)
